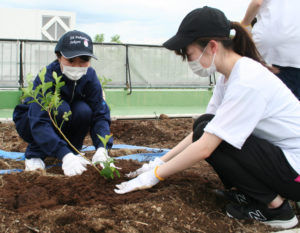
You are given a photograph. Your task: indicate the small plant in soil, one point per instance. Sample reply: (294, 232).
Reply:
(107, 171)
(49, 101)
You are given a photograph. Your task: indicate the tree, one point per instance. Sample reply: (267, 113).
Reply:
(115, 39)
(99, 38)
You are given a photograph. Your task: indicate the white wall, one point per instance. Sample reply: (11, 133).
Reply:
(27, 24)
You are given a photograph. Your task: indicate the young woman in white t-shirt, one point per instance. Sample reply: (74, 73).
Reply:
(250, 133)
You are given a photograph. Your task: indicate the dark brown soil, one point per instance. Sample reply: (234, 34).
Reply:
(50, 202)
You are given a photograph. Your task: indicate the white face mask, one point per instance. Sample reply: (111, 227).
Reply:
(198, 69)
(74, 73)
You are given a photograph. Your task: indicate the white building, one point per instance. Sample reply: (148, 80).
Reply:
(35, 24)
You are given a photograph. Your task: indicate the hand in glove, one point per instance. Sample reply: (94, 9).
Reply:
(74, 164)
(34, 164)
(144, 181)
(102, 156)
(146, 167)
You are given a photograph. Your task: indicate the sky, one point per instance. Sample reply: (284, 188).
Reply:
(136, 21)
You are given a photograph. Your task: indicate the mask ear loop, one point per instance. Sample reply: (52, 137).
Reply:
(213, 60)
(214, 56)
(198, 59)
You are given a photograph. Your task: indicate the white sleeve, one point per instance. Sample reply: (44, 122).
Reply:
(236, 118)
(216, 98)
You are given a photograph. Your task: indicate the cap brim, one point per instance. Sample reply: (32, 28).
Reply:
(178, 42)
(72, 54)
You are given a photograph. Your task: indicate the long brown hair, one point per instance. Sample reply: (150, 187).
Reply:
(241, 43)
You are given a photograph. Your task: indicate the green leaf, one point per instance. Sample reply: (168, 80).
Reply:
(42, 74)
(105, 139)
(108, 171)
(46, 86)
(28, 91)
(66, 115)
(54, 74)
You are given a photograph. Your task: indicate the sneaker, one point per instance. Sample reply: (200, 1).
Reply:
(234, 196)
(281, 217)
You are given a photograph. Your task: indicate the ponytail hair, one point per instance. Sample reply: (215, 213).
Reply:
(243, 44)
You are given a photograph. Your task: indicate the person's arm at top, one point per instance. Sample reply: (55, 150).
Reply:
(251, 12)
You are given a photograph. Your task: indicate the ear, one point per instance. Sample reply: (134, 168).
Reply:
(213, 46)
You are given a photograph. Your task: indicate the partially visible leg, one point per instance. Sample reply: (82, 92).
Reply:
(198, 129)
(22, 122)
(33, 155)
(33, 150)
(79, 124)
(261, 171)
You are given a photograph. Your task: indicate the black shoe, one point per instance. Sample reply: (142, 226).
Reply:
(281, 217)
(234, 196)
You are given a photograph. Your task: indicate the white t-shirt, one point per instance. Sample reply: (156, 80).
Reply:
(254, 100)
(277, 32)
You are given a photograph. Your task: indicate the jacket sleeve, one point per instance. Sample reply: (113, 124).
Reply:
(42, 129)
(101, 114)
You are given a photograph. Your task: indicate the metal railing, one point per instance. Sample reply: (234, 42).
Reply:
(127, 65)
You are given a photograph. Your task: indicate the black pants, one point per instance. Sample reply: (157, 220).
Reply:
(259, 169)
(291, 77)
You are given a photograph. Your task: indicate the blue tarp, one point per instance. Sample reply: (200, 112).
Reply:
(12, 155)
(125, 146)
(142, 157)
(2, 172)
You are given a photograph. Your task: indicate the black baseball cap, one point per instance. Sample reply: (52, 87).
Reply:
(199, 23)
(74, 44)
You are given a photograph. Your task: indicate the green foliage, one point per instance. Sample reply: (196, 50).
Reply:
(108, 171)
(42, 94)
(116, 39)
(66, 115)
(103, 80)
(105, 139)
(48, 99)
(99, 38)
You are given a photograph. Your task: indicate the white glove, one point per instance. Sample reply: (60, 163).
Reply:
(74, 164)
(146, 167)
(144, 181)
(34, 164)
(102, 156)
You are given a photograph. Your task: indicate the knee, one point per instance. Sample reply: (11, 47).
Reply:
(81, 112)
(200, 124)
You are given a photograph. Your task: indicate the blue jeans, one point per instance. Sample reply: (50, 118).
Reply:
(291, 77)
